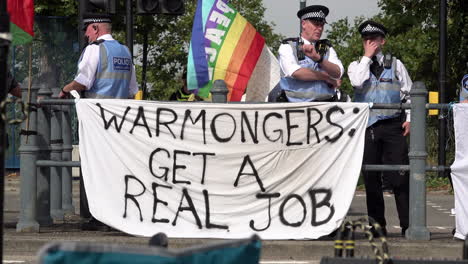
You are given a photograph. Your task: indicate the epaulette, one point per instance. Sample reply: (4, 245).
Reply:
(325, 42)
(285, 41)
(298, 52)
(322, 46)
(97, 42)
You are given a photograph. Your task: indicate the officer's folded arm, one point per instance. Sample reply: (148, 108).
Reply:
(331, 68)
(305, 74)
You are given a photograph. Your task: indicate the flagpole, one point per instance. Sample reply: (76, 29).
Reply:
(29, 86)
(5, 39)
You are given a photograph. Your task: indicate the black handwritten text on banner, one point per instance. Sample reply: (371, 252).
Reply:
(284, 171)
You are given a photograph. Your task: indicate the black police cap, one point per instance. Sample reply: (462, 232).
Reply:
(371, 28)
(313, 12)
(90, 18)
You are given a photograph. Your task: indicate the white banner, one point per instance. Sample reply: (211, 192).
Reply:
(283, 171)
(459, 170)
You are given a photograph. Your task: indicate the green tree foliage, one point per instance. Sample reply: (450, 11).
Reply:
(56, 7)
(414, 38)
(168, 38)
(53, 44)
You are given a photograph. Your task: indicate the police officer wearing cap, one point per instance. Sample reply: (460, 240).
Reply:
(105, 68)
(310, 74)
(380, 78)
(105, 71)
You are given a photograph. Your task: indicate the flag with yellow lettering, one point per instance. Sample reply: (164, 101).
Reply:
(225, 46)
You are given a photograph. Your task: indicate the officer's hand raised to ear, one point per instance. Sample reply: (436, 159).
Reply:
(370, 48)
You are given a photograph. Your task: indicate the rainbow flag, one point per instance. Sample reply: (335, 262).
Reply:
(21, 20)
(225, 46)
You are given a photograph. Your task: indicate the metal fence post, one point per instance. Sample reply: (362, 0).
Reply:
(56, 155)
(28, 153)
(417, 219)
(67, 190)
(219, 92)
(43, 173)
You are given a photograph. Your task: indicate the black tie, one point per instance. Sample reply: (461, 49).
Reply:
(375, 67)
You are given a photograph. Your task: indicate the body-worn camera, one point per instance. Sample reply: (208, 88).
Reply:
(299, 42)
(321, 46)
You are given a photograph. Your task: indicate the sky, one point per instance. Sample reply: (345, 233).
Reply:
(283, 12)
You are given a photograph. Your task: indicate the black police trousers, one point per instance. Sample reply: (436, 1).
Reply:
(385, 144)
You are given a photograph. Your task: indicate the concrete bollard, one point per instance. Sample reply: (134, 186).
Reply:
(43, 173)
(417, 218)
(28, 154)
(67, 147)
(56, 143)
(219, 92)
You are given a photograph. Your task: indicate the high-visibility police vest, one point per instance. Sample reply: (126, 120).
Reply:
(113, 73)
(464, 88)
(385, 89)
(305, 91)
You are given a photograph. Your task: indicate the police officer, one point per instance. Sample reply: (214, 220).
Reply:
(311, 66)
(464, 89)
(380, 78)
(105, 68)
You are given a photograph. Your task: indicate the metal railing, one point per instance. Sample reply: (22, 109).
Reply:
(46, 184)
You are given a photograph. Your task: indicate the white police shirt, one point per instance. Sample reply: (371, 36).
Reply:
(359, 72)
(289, 64)
(88, 65)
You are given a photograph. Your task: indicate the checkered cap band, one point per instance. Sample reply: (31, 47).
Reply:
(96, 20)
(372, 29)
(317, 14)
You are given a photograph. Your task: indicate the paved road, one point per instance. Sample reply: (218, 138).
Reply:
(22, 247)
(440, 219)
